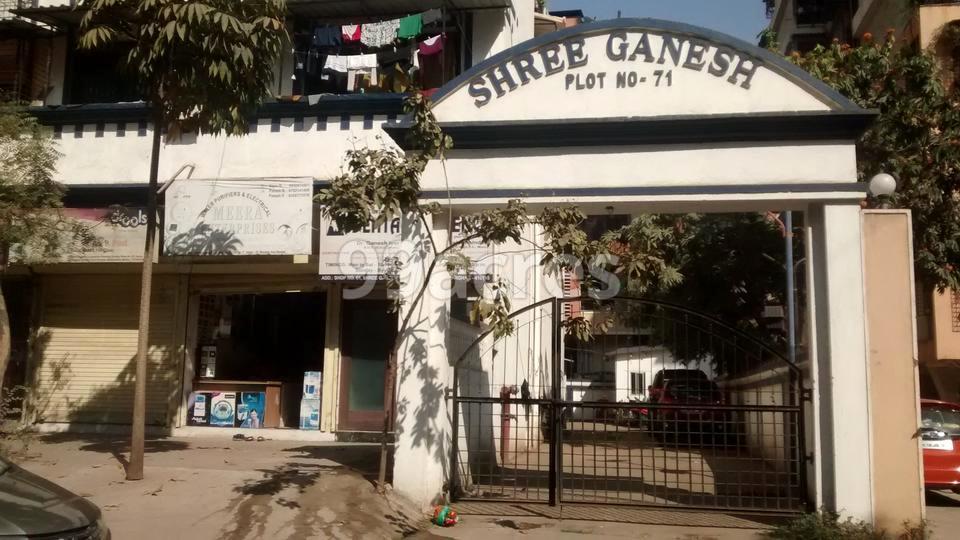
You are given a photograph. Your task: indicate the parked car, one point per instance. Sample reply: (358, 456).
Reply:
(32, 507)
(685, 392)
(664, 376)
(940, 440)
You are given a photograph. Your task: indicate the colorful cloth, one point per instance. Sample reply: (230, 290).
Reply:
(351, 33)
(410, 26)
(433, 45)
(379, 34)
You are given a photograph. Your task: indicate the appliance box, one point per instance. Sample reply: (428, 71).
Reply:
(223, 409)
(250, 409)
(310, 414)
(312, 384)
(199, 412)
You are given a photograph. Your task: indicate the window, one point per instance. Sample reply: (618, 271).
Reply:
(638, 383)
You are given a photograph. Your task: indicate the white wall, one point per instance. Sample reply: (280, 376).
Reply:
(495, 30)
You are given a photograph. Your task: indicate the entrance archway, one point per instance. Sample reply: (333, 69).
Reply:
(712, 124)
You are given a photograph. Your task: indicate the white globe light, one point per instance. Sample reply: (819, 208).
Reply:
(882, 184)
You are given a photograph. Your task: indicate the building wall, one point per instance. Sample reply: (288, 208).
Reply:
(931, 20)
(894, 387)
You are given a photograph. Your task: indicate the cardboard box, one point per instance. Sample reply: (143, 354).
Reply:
(312, 384)
(310, 414)
(199, 411)
(223, 409)
(251, 409)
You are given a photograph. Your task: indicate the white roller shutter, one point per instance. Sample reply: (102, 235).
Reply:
(86, 349)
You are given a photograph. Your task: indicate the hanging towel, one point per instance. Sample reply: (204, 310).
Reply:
(336, 63)
(432, 15)
(410, 26)
(327, 36)
(361, 61)
(380, 33)
(351, 33)
(431, 46)
(347, 63)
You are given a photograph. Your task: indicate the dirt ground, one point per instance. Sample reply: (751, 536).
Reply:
(226, 490)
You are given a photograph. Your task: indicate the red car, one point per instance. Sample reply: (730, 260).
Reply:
(940, 440)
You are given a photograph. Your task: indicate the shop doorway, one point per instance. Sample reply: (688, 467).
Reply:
(259, 350)
(368, 332)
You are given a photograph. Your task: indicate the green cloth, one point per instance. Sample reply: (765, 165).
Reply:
(410, 26)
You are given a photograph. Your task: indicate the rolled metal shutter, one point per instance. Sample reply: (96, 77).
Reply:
(86, 347)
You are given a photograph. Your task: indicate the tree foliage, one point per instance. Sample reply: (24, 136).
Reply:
(206, 65)
(916, 138)
(31, 224)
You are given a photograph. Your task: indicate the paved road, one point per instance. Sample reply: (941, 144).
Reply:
(943, 514)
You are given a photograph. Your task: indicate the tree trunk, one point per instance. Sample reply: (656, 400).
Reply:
(389, 392)
(5, 340)
(138, 427)
(4, 336)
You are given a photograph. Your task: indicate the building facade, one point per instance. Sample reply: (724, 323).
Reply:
(253, 297)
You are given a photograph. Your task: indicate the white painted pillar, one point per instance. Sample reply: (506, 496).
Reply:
(846, 483)
(423, 424)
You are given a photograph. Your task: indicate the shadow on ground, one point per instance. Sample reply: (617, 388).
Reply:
(362, 459)
(321, 492)
(116, 445)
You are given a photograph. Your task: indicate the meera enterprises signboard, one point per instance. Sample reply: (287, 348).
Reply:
(239, 217)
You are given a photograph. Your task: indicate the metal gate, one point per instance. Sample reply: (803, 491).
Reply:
(627, 401)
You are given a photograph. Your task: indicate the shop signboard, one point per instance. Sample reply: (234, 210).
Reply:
(261, 216)
(480, 254)
(120, 232)
(364, 254)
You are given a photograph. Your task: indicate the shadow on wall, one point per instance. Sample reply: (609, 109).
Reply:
(204, 240)
(427, 431)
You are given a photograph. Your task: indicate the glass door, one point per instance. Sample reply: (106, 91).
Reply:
(368, 330)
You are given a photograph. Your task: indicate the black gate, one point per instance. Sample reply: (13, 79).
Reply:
(627, 401)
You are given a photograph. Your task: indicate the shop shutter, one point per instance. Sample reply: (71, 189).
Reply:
(86, 348)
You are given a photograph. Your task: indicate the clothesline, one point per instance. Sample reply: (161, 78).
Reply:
(376, 34)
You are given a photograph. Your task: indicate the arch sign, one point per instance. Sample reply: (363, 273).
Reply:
(617, 69)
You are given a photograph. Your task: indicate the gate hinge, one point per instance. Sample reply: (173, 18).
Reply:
(806, 394)
(449, 393)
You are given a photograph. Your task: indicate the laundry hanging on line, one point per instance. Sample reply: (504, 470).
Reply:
(327, 36)
(348, 62)
(379, 34)
(410, 26)
(434, 45)
(350, 32)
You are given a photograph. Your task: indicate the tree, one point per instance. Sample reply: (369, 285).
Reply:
(916, 138)
(203, 66)
(30, 200)
(383, 183)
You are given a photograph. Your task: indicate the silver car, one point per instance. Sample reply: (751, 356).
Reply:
(37, 509)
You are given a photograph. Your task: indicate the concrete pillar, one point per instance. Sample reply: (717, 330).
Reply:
(894, 384)
(845, 483)
(423, 423)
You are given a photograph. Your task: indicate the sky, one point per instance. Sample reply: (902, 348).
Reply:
(740, 18)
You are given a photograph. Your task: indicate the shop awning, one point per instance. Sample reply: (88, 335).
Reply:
(16, 27)
(55, 16)
(383, 8)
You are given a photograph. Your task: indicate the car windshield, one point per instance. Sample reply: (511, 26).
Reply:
(942, 417)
